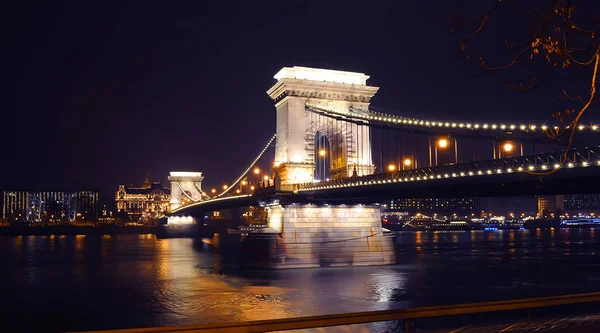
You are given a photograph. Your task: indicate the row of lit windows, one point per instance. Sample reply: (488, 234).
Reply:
(25, 203)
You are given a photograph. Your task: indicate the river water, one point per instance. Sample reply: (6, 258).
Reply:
(71, 283)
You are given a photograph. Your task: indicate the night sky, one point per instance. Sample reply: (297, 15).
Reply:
(98, 93)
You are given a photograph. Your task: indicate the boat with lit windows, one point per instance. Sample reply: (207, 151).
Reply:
(587, 221)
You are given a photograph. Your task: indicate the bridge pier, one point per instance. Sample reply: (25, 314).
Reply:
(177, 226)
(304, 236)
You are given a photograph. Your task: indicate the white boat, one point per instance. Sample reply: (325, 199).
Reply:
(581, 221)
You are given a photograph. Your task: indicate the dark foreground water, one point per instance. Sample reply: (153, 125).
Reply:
(67, 283)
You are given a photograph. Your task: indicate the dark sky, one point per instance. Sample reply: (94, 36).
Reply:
(97, 93)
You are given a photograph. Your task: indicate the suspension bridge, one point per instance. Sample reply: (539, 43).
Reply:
(335, 157)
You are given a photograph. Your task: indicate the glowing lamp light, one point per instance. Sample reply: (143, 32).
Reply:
(266, 177)
(214, 190)
(322, 152)
(442, 143)
(277, 164)
(407, 162)
(508, 147)
(252, 188)
(225, 187)
(256, 171)
(391, 168)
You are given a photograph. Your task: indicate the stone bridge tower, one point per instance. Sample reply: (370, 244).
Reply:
(343, 92)
(186, 187)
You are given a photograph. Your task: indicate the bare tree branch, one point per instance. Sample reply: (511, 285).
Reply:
(560, 43)
(486, 17)
(569, 98)
(514, 61)
(575, 121)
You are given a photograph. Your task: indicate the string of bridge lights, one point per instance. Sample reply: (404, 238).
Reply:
(486, 172)
(225, 190)
(200, 203)
(392, 119)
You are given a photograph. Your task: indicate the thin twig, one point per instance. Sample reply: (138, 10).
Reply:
(576, 120)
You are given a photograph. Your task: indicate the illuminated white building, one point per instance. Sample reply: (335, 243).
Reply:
(148, 200)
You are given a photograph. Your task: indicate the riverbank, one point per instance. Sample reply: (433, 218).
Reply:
(74, 230)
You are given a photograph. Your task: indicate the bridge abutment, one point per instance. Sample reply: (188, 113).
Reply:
(304, 236)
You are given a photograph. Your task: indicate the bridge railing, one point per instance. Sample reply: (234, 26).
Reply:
(576, 157)
(343, 319)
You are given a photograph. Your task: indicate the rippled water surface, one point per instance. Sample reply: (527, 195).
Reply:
(72, 283)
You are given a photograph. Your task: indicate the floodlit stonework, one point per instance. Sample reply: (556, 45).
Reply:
(302, 236)
(186, 188)
(300, 87)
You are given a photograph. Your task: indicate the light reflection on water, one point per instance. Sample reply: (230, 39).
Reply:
(104, 282)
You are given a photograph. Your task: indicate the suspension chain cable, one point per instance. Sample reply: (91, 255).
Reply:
(250, 166)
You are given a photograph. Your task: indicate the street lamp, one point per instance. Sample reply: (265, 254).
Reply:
(256, 173)
(322, 153)
(213, 191)
(391, 168)
(508, 147)
(225, 187)
(442, 143)
(407, 162)
(354, 161)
